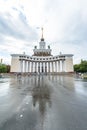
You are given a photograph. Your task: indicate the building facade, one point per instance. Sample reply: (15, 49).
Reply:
(42, 61)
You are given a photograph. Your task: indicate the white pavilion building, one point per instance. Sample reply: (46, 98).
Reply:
(42, 61)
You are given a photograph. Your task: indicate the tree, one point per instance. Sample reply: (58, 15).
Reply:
(82, 67)
(4, 68)
(8, 68)
(76, 67)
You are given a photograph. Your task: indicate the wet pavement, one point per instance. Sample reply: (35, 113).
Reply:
(43, 103)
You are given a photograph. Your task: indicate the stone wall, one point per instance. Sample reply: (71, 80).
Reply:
(69, 64)
(15, 64)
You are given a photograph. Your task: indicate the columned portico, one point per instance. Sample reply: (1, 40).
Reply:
(43, 66)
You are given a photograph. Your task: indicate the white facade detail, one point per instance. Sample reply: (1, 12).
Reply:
(69, 64)
(16, 64)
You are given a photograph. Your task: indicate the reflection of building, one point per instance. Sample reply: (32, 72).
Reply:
(42, 61)
(41, 95)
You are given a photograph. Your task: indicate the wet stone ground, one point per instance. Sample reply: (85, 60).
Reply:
(43, 103)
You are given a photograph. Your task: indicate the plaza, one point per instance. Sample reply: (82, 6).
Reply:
(47, 102)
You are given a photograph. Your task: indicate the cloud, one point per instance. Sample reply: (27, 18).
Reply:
(64, 22)
(76, 29)
(15, 33)
(17, 28)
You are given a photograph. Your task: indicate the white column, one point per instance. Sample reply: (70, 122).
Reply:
(28, 66)
(42, 67)
(52, 67)
(45, 66)
(59, 66)
(38, 67)
(49, 67)
(55, 66)
(62, 65)
(25, 66)
(21, 65)
(31, 66)
(35, 66)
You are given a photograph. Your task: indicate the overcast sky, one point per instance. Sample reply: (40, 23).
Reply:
(64, 23)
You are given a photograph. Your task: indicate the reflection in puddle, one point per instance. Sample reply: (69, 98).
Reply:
(41, 95)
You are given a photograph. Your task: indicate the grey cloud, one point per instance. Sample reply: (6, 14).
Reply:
(18, 29)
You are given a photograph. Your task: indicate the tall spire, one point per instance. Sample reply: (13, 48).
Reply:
(42, 32)
(42, 39)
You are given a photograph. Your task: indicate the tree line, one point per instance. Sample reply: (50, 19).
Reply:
(4, 68)
(82, 67)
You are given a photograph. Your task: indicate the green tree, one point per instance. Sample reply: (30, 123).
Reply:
(76, 67)
(3, 68)
(8, 68)
(82, 67)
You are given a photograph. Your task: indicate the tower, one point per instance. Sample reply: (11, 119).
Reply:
(42, 51)
(42, 44)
